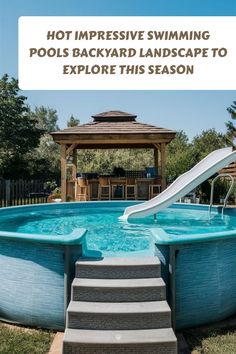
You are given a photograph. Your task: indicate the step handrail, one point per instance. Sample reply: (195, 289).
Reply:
(227, 195)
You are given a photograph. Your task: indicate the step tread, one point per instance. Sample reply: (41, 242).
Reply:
(118, 307)
(118, 283)
(162, 335)
(119, 262)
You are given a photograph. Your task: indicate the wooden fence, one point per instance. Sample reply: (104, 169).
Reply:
(22, 192)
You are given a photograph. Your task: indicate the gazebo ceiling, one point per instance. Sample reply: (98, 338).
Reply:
(114, 128)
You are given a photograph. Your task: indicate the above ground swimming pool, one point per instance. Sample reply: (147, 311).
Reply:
(105, 232)
(40, 244)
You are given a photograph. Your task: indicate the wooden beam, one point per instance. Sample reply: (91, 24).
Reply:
(71, 148)
(113, 146)
(157, 146)
(63, 172)
(113, 138)
(163, 166)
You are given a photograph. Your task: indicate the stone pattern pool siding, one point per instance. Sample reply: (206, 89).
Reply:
(200, 275)
(34, 277)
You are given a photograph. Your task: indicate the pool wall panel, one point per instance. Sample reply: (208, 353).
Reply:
(205, 282)
(32, 283)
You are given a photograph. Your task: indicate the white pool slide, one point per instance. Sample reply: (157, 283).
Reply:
(185, 183)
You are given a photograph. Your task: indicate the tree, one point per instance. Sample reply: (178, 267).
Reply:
(179, 143)
(231, 130)
(73, 122)
(46, 118)
(206, 142)
(103, 161)
(45, 160)
(19, 133)
(203, 144)
(180, 157)
(183, 155)
(232, 110)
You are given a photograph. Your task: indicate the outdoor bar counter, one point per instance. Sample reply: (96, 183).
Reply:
(113, 188)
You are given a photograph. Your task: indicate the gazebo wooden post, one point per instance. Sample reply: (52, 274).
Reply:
(156, 158)
(74, 171)
(74, 168)
(63, 172)
(163, 166)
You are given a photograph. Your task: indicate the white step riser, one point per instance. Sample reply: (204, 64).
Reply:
(113, 272)
(108, 321)
(118, 294)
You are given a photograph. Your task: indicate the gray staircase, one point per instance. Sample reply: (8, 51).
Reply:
(119, 268)
(119, 290)
(118, 306)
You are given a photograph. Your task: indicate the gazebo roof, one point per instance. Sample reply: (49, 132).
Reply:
(116, 127)
(115, 116)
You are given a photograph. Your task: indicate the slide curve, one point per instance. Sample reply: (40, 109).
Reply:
(184, 184)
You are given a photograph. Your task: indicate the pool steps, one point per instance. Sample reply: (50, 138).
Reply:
(151, 341)
(118, 290)
(124, 315)
(118, 306)
(119, 268)
(147, 341)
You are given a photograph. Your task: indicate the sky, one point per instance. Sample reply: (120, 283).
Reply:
(191, 111)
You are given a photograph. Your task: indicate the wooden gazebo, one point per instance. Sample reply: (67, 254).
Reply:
(108, 130)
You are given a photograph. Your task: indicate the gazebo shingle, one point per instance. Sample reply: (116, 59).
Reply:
(114, 128)
(114, 122)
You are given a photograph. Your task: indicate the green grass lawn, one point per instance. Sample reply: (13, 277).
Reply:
(210, 340)
(20, 340)
(204, 340)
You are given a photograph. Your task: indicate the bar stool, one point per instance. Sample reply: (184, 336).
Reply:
(93, 189)
(130, 189)
(82, 190)
(104, 188)
(142, 188)
(116, 185)
(154, 190)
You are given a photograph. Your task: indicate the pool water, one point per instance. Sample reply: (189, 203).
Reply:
(107, 234)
